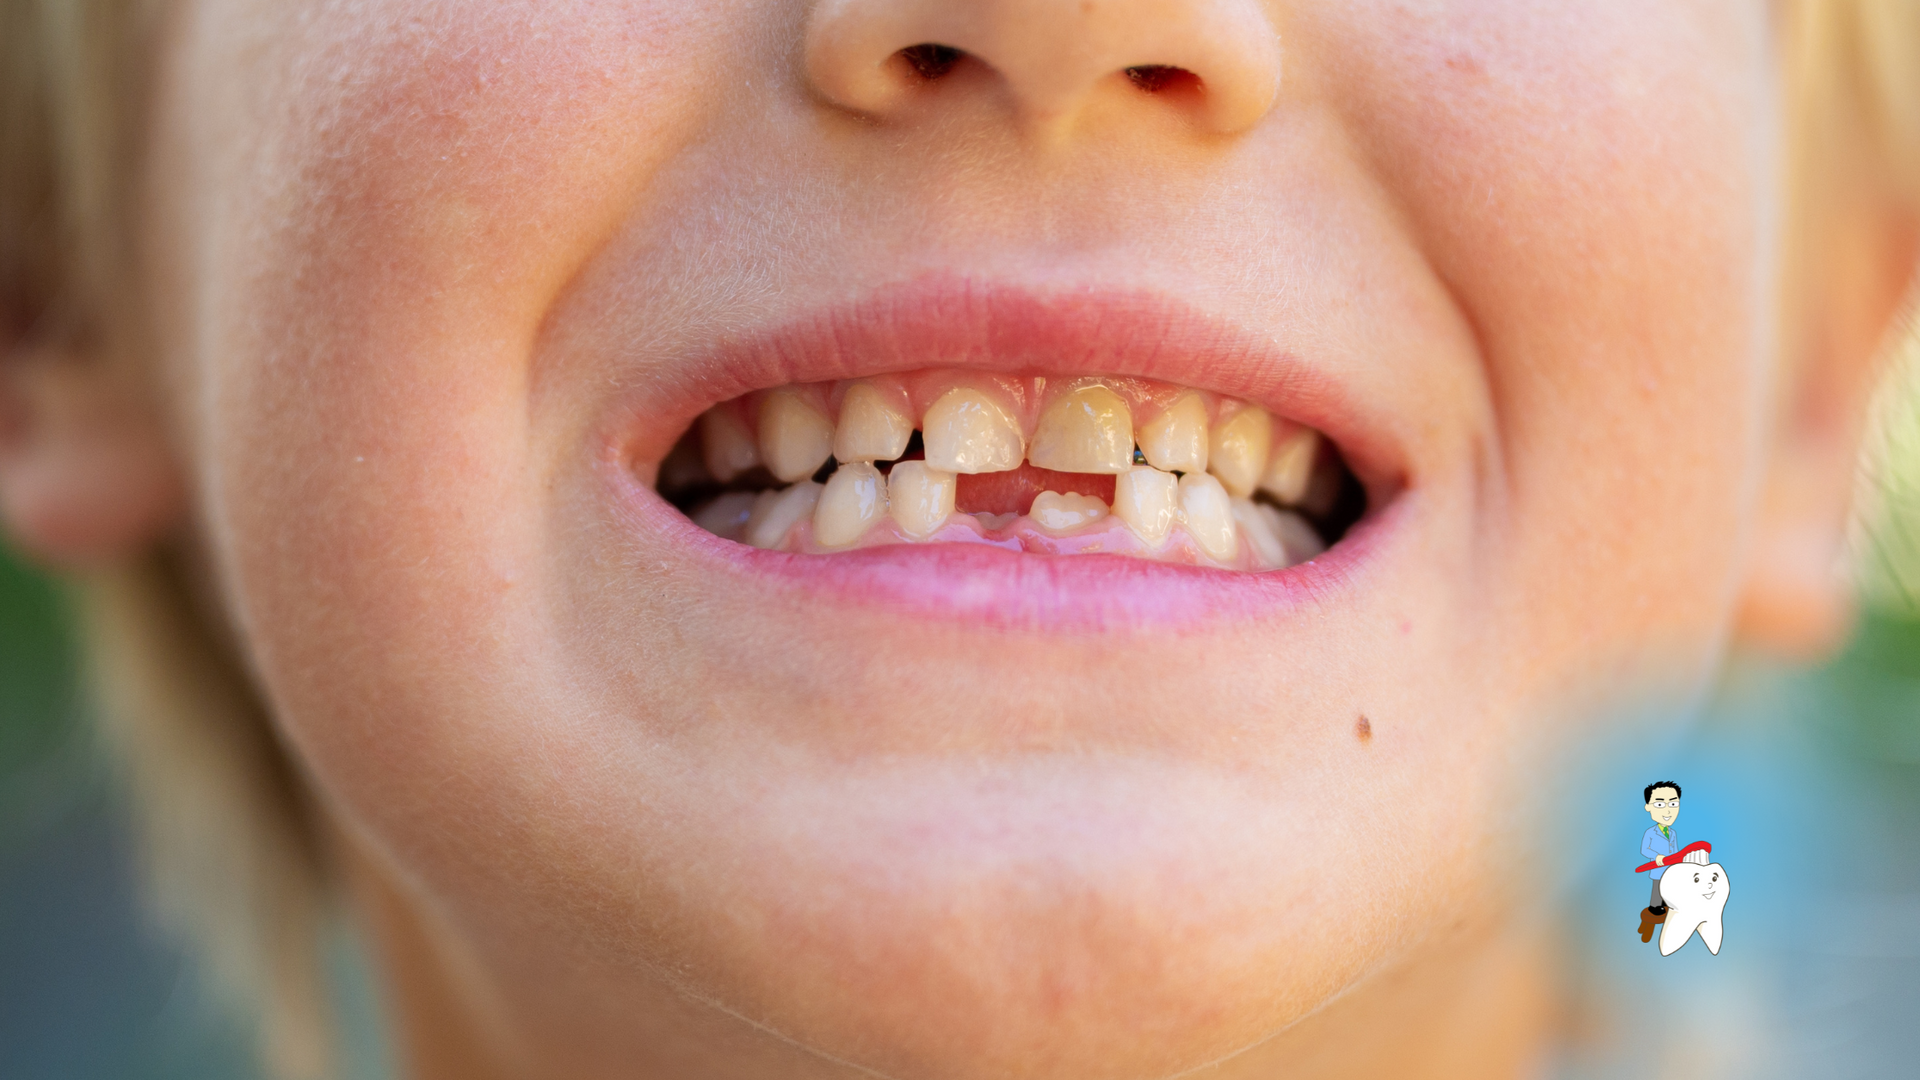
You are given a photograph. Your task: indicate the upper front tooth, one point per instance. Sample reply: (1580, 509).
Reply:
(1238, 449)
(855, 497)
(871, 427)
(773, 519)
(1087, 431)
(920, 497)
(1147, 500)
(968, 432)
(1291, 466)
(1207, 511)
(795, 438)
(1176, 440)
(725, 444)
(1058, 512)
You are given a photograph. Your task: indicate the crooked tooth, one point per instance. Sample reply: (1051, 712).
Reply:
(795, 439)
(1148, 500)
(968, 432)
(726, 445)
(774, 518)
(1291, 466)
(920, 497)
(1207, 511)
(1058, 512)
(726, 515)
(1237, 449)
(1176, 440)
(871, 427)
(1087, 431)
(854, 498)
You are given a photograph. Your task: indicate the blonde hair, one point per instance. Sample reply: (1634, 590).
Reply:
(232, 847)
(229, 845)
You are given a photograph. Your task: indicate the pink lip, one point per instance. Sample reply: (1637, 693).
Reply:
(946, 321)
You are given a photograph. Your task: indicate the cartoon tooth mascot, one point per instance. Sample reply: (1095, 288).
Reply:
(1689, 893)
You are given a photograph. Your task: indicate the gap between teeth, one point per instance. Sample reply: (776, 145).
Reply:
(1186, 482)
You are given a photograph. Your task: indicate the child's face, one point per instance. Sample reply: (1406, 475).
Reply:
(444, 283)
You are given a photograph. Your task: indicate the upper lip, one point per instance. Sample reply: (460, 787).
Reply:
(944, 320)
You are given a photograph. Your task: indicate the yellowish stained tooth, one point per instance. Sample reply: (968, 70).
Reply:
(726, 445)
(968, 432)
(1087, 431)
(920, 497)
(1058, 513)
(871, 427)
(855, 497)
(795, 439)
(1291, 466)
(1207, 511)
(726, 515)
(1148, 500)
(773, 520)
(1176, 440)
(1238, 448)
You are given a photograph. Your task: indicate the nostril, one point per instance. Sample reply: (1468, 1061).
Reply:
(1156, 78)
(929, 60)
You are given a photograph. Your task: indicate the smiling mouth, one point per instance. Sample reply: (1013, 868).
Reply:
(1065, 466)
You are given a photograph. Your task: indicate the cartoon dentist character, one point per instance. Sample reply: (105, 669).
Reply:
(1659, 843)
(1689, 892)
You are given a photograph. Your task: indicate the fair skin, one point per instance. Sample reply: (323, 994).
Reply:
(1664, 808)
(436, 288)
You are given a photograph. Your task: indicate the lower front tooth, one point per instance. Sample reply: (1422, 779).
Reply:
(920, 497)
(726, 515)
(1269, 550)
(795, 438)
(1291, 466)
(1148, 500)
(1302, 541)
(968, 432)
(776, 517)
(855, 497)
(1207, 511)
(1059, 513)
(1279, 538)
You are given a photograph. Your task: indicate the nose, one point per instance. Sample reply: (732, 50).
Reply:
(1218, 61)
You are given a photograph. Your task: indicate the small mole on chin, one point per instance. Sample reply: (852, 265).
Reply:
(1363, 729)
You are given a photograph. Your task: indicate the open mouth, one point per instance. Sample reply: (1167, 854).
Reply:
(1093, 464)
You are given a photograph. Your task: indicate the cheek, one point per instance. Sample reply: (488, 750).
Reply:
(386, 208)
(1594, 187)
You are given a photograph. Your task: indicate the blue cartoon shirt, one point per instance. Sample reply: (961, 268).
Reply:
(1656, 843)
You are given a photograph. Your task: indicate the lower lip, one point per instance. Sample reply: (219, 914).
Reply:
(991, 587)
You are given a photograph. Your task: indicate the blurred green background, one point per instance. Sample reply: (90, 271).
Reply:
(87, 990)
(1809, 780)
